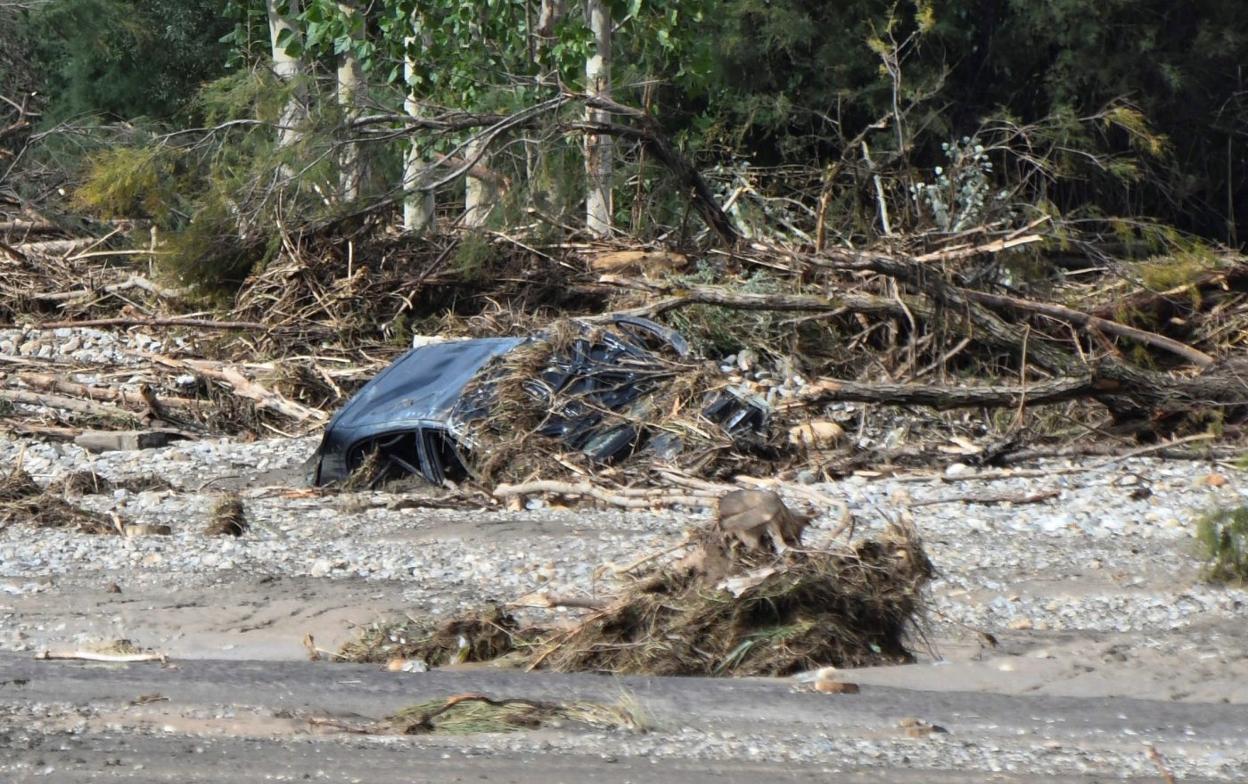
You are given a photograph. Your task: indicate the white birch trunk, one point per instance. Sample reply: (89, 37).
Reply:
(598, 205)
(552, 11)
(353, 169)
(479, 196)
(480, 192)
(418, 204)
(287, 69)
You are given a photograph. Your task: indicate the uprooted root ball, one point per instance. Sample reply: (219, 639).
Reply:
(228, 518)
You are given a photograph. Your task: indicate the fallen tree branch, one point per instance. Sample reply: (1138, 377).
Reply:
(991, 327)
(1128, 392)
(133, 282)
(101, 657)
(154, 322)
(989, 499)
(684, 296)
(823, 391)
(244, 387)
(67, 404)
(1088, 321)
(585, 489)
(56, 384)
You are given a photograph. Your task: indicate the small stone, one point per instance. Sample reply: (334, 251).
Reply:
(958, 469)
(829, 686)
(321, 567)
(1021, 624)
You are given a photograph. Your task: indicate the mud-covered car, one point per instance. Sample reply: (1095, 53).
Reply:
(417, 413)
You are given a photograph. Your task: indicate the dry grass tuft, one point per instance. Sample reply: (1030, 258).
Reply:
(477, 637)
(23, 501)
(473, 713)
(228, 517)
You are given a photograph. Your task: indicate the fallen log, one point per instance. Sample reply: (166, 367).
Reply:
(1130, 394)
(153, 322)
(1088, 321)
(108, 394)
(68, 404)
(242, 386)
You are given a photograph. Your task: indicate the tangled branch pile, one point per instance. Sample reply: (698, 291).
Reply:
(726, 609)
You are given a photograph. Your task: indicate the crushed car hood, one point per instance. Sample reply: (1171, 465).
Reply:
(414, 413)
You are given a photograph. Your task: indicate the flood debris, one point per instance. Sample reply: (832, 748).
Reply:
(23, 501)
(745, 600)
(228, 518)
(472, 713)
(789, 613)
(498, 408)
(482, 636)
(88, 482)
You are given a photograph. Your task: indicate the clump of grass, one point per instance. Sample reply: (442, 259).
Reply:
(1223, 535)
(22, 500)
(81, 483)
(476, 637)
(228, 517)
(465, 714)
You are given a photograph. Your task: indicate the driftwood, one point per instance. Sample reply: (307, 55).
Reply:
(109, 394)
(621, 499)
(133, 282)
(154, 322)
(67, 404)
(242, 386)
(1129, 393)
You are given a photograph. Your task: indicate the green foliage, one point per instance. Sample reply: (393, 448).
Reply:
(790, 85)
(715, 331)
(1179, 269)
(475, 258)
(1223, 536)
(131, 182)
(125, 58)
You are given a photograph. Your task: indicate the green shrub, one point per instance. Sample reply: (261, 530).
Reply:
(130, 182)
(1223, 535)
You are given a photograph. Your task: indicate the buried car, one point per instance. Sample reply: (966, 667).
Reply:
(418, 415)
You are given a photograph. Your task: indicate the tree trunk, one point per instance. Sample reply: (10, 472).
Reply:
(552, 11)
(353, 169)
(282, 32)
(417, 204)
(598, 206)
(480, 193)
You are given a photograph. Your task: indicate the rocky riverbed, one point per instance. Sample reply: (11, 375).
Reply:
(1069, 627)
